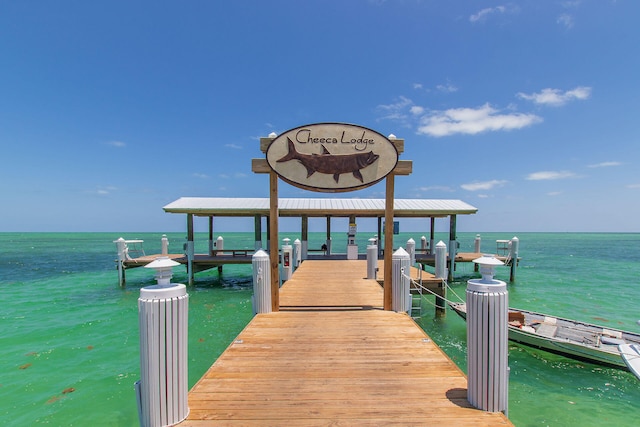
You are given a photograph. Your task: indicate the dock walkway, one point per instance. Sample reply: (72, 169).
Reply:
(332, 356)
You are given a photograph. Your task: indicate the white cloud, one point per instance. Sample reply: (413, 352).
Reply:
(416, 110)
(448, 88)
(484, 13)
(565, 20)
(633, 186)
(436, 188)
(486, 185)
(605, 165)
(554, 193)
(549, 175)
(234, 146)
(397, 111)
(556, 97)
(117, 144)
(417, 85)
(472, 121)
(103, 191)
(201, 175)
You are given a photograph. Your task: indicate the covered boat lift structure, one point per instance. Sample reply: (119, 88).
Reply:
(306, 208)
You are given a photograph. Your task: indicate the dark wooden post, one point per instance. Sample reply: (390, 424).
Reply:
(257, 231)
(273, 249)
(388, 241)
(452, 247)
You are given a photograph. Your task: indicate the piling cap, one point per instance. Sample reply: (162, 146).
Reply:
(488, 260)
(165, 291)
(162, 262)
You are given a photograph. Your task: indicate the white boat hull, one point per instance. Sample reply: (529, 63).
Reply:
(574, 339)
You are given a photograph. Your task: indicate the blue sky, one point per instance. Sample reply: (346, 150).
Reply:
(527, 110)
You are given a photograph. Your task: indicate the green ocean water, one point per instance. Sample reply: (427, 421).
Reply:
(69, 344)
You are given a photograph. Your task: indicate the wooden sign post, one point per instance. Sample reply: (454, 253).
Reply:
(331, 158)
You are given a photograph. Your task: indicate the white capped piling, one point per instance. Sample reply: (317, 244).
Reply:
(121, 247)
(286, 260)
(411, 250)
(163, 316)
(423, 244)
(372, 259)
(297, 253)
(487, 339)
(164, 242)
(513, 254)
(441, 273)
(261, 282)
(476, 248)
(441, 260)
(400, 273)
(220, 244)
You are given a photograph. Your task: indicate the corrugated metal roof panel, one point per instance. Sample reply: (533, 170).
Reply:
(220, 206)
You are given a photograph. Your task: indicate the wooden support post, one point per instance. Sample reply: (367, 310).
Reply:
(432, 238)
(304, 245)
(190, 248)
(210, 235)
(328, 239)
(257, 230)
(273, 249)
(379, 242)
(388, 241)
(452, 247)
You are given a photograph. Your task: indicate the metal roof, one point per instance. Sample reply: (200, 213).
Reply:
(320, 207)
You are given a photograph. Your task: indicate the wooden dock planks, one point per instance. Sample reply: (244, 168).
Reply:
(331, 356)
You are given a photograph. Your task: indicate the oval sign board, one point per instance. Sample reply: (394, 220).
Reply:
(332, 157)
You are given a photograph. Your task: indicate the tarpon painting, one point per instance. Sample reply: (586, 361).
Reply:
(331, 164)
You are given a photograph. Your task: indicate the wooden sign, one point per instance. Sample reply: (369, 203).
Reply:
(332, 157)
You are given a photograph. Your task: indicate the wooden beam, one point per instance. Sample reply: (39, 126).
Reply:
(404, 167)
(399, 144)
(260, 166)
(264, 143)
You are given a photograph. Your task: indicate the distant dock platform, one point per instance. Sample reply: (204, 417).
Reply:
(333, 356)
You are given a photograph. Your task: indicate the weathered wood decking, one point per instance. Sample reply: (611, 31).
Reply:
(332, 356)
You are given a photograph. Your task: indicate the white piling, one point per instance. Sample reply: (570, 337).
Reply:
(121, 247)
(297, 253)
(476, 244)
(441, 260)
(304, 250)
(441, 273)
(400, 272)
(164, 244)
(423, 244)
(286, 261)
(220, 244)
(372, 259)
(411, 250)
(163, 316)
(487, 339)
(261, 282)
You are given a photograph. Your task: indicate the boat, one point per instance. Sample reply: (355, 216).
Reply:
(570, 338)
(631, 355)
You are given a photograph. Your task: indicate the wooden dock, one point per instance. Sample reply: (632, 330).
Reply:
(332, 356)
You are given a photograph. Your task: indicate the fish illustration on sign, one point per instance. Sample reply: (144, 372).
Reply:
(330, 164)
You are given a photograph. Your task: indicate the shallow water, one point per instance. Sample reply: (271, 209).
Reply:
(69, 334)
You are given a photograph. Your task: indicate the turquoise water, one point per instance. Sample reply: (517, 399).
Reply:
(69, 334)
